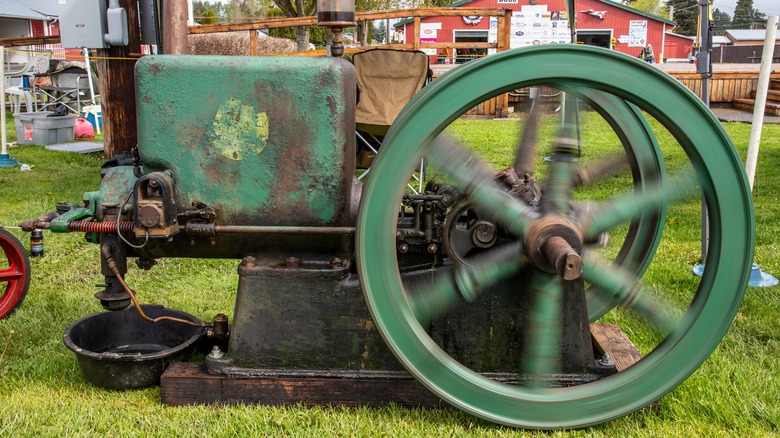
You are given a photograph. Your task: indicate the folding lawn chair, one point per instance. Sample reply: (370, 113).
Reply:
(387, 80)
(68, 83)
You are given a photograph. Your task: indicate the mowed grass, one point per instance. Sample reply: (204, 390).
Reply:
(42, 393)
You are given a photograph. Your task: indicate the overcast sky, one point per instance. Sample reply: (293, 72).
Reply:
(769, 7)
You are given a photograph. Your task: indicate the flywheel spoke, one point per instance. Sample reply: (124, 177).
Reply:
(475, 178)
(543, 341)
(613, 282)
(624, 209)
(525, 160)
(587, 174)
(558, 188)
(464, 283)
(559, 183)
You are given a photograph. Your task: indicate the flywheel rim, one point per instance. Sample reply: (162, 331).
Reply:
(680, 354)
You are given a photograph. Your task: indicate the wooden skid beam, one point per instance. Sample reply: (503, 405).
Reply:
(188, 383)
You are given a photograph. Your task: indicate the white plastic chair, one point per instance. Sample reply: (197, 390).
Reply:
(37, 63)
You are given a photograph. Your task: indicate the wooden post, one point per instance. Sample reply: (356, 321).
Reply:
(416, 41)
(253, 49)
(504, 31)
(507, 31)
(117, 88)
(500, 42)
(175, 27)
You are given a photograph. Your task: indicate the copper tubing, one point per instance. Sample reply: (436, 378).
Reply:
(113, 267)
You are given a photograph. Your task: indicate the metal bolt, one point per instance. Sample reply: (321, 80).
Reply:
(335, 262)
(403, 248)
(216, 353)
(153, 183)
(293, 262)
(432, 248)
(249, 261)
(606, 361)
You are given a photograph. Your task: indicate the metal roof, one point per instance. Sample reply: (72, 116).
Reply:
(29, 9)
(747, 34)
(681, 36)
(719, 40)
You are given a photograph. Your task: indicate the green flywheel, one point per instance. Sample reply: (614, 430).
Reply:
(626, 93)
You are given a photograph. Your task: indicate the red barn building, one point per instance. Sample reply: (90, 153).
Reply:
(599, 22)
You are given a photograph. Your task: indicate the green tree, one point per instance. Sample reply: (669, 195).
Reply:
(656, 7)
(205, 12)
(316, 33)
(380, 31)
(743, 15)
(722, 22)
(364, 28)
(241, 10)
(759, 19)
(686, 15)
(298, 8)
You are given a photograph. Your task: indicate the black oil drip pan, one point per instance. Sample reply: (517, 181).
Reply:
(121, 350)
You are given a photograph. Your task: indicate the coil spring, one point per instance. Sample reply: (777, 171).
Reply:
(100, 227)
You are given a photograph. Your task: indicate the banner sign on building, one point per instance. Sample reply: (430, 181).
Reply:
(637, 33)
(535, 25)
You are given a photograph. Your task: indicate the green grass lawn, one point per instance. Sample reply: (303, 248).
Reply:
(42, 393)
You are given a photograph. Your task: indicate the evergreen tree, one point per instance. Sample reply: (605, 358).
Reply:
(743, 15)
(380, 31)
(759, 19)
(686, 15)
(722, 22)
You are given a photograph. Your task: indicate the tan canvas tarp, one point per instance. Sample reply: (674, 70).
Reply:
(387, 80)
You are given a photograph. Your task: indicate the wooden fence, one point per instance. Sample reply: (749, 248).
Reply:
(724, 86)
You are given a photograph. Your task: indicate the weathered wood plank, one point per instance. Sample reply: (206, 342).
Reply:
(188, 383)
(608, 338)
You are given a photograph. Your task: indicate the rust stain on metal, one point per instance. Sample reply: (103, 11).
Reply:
(154, 69)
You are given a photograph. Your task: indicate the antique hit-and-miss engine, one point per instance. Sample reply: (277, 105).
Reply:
(482, 287)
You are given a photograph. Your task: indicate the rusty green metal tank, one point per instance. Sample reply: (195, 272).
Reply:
(263, 141)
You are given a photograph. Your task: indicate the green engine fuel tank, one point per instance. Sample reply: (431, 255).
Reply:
(262, 140)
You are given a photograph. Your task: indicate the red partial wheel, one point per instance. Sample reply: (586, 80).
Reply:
(14, 273)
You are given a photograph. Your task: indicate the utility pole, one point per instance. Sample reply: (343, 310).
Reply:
(704, 68)
(705, 51)
(117, 87)
(174, 18)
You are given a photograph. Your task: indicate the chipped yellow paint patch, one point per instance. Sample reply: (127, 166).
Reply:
(262, 127)
(239, 130)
